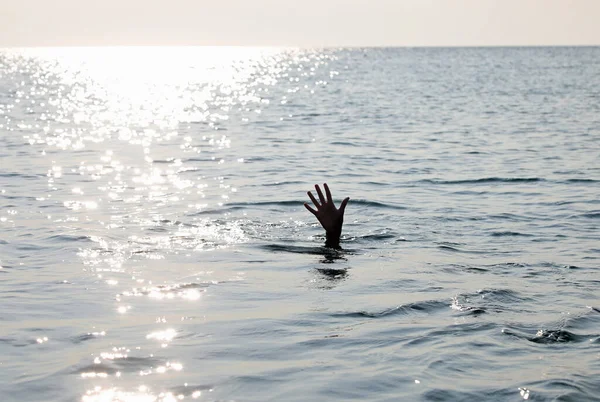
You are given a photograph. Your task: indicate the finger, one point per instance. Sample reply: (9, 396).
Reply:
(310, 209)
(321, 197)
(313, 199)
(343, 204)
(327, 192)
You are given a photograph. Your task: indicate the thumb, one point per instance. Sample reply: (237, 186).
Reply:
(343, 204)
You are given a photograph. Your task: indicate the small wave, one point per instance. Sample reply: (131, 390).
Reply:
(190, 291)
(510, 217)
(501, 295)
(20, 197)
(312, 114)
(593, 215)
(485, 180)
(377, 236)
(475, 311)
(198, 159)
(256, 159)
(514, 264)
(99, 370)
(87, 337)
(191, 390)
(547, 336)
(450, 248)
(582, 181)
(464, 309)
(69, 238)
(426, 307)
(18, 342)
(263, 203)
(374, 183)
(470, 192)
(472, 268)
(303, 249)
(236, 206)
(281, 183)
(163, 161)
(509, 233)
(377, 204)
(219, 211)
(555, 336)
(578, 388)
(440, 394)
(486, 300)
(345, 143)
(112, 362)
(21, 175)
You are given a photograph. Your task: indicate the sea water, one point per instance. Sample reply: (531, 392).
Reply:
(154, 245)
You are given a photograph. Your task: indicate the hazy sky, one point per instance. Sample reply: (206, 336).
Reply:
(299, 22)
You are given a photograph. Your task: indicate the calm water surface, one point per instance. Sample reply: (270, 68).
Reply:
(154, 246)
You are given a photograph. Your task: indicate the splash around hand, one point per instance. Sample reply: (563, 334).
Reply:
(330, 217)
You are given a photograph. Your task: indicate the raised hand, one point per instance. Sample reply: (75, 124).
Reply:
(330, 217)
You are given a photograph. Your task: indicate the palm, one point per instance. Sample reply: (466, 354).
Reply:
(330, 217)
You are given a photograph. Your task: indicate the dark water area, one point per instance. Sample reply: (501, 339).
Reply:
(154, 245)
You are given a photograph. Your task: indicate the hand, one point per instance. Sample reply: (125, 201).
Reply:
(330, 217)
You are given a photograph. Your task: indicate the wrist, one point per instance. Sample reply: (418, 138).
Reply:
(333, 238)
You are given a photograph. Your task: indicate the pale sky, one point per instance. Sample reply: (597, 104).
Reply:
(299, 22)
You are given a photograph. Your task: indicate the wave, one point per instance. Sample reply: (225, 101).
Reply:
(311, 250)
(556, 336)
(375, 183)
(378, 236)
(485, 180)
(346, 143)
(188, 290)
(574, 387)
(376, 204)
(563, 331)
(22, 175)
(509, 216)
(512, 180)
(501, 295)
(263, 203)
(509, 233)
(421, 307)
(582, 181)
(236, 206)
(282, 183)
(452, 248)
(117, 361)
(87, 337)
(486, 300)
(295, 203)
(69, 238)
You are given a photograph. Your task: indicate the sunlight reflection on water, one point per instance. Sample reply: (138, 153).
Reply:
(129, 118)
(143, 394)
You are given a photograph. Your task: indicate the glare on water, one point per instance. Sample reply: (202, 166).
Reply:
(118, 129)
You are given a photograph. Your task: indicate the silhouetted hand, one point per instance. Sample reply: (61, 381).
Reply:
(330, 217)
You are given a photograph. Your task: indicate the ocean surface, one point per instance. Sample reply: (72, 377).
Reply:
(154, 245)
